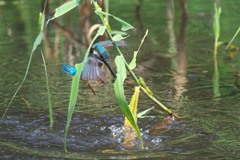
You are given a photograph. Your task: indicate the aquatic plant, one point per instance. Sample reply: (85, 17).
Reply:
(41, 25)
(122, 68)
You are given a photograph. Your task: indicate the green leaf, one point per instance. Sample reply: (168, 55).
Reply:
(64, 9)
(118, 37)
(143, 113)
(133, 106)
(119, 92)
(35, 44)
(216, 24)
(233, 38)
(75, 86)
(48, 93)
(73, 100)
(125, 26)
(133, 64)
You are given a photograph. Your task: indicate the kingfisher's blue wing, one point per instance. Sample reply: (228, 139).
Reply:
(69, 69)
(108, 43)
(91, 70)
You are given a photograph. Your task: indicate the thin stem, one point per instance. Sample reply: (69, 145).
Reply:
(115, 45)
(156, 101)
(233, 38)
(215, 48)
(48, 92)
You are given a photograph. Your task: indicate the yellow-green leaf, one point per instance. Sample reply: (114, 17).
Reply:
(119, 92)
(133, 107)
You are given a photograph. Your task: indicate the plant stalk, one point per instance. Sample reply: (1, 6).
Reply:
(215, 48)
(127, 66)
(156, 101)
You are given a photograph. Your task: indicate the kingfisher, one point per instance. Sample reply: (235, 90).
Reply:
(97, 57)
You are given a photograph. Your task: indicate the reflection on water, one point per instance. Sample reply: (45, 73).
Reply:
(175, 62)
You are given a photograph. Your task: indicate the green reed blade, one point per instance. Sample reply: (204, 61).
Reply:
(36, 43)
(75, 86)
(48, 93)
(133, 106)
(216, 28)
(73, 100)
(133, 64)
(144, 113)
(64, 9)
(118, 37)
(233, 38)
(216, 23)
(119, 92)
(125, 26)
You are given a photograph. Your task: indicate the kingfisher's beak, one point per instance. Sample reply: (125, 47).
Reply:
(109, 67)
(99, 56)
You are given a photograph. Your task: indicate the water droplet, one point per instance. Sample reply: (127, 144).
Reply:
(102, 128)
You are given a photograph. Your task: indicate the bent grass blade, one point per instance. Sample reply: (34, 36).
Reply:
(35, 44)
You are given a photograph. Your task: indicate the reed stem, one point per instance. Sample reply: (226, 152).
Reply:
(95, 5)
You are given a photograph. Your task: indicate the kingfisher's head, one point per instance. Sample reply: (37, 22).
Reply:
(101, 52)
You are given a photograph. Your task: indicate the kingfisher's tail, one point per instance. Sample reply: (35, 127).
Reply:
(69, 69)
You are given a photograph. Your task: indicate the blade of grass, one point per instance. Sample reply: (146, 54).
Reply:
(216, 23)
(216, 27)
(48, 93)
(119, 92)
(129, 140)
(125, 26)
(233, 38)
(118, 37)
(75, 86)
(132, 65)
(66, 7)
(73, 100)
(36, 43)
(133, 107)
(143, 113)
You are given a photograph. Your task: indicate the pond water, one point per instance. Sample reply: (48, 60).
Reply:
(176, 62)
